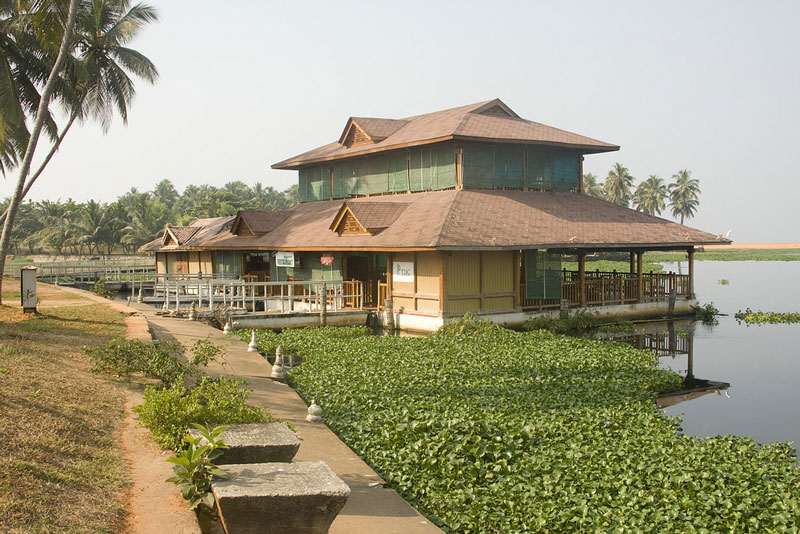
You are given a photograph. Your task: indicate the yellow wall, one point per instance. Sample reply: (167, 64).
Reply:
(161, 262)
(206, 263)
(479, 276)
(422, 295)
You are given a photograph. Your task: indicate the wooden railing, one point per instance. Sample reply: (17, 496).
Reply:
(604, 288)
(293, 295)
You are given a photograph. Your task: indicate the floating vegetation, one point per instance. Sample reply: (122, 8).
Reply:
(488, 430)
(724, 282)
(706, 313)
(749, 317)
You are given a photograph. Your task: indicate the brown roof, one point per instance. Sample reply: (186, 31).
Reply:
(376, 215)
(467, 219)
(490, 121)
(260, 222)
(201, 229)
(181, 234)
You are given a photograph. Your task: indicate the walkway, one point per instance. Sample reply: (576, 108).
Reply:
(371, 507)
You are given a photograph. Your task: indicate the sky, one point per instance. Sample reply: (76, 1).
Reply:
(708, 86)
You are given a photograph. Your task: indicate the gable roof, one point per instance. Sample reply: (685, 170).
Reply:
(490, 121)
(469, 220)
(201, 231)
(256, 222)
(178, 235)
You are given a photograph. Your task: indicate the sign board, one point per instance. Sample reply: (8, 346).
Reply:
(403, 271)
(27, 277)
(326, 259)
(284, 259)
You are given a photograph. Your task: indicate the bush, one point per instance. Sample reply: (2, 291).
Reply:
(468, 324)
(101, 289)
(579, 322)
(169, 411)
(162, 360)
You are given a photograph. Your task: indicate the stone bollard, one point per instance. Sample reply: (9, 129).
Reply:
(278, 370)
(253, 346)
(193, 312)
(140, 298)
(314, 412)
(228, 328)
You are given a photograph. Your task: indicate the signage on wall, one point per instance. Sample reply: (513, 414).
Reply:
(284, 259)
(403, 271)
(326, 259)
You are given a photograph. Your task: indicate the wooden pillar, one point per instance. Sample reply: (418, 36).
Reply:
(580, 175)
(690, 253)
(517, 275)
(441, 283)
(632, 262)
(582, 277)
(639, 276)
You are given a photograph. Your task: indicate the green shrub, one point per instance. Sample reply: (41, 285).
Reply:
(101, 289)
(162, 360)
(194, 466)
(579, 322)
(468, 324)
(169, 411)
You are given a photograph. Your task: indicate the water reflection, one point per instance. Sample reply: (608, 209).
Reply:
(673, 343)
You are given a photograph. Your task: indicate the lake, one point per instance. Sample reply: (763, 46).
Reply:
(761, 363)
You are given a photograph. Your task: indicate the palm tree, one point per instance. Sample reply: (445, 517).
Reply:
(618, 185)
(683, 194)
(165, 193)
(650, 195)
(147, 221)
(591, 187)
(97, 72)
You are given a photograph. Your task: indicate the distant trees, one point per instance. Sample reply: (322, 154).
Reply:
(134, 218)
(683, 195)
(618, 185)
(651, 195)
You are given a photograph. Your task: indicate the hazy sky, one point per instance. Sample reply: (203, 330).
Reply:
(713, 87)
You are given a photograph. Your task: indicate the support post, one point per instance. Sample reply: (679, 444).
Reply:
(632, 262)
(690, 253)
(323, 305)
(582, 278)
(639, 276)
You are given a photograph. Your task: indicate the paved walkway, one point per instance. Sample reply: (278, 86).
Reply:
(371, 508)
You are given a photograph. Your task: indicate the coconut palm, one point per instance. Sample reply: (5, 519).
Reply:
(618, 185)
(683, 194)
(165, 193)
(591, 187)
(650, 195)
(96, 72)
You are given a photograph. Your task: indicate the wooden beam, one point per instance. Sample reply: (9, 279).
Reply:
(639, 276)
(441, 283)
(632, 262)
(580, 174)
(690, 254)
(582, 277)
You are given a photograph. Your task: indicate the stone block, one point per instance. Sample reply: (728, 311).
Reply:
(257, 443)
(279, 498)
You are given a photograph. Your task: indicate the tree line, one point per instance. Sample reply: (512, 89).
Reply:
(651, 196)
(134, 218)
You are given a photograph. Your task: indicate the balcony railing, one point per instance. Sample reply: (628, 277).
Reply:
(604, 288)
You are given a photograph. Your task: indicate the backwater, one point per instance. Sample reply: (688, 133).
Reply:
(761, 363)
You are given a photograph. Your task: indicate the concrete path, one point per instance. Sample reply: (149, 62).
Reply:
(371, 508)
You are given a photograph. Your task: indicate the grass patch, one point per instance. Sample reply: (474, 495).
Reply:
(733, 254)
(60, 466)
(487, 430)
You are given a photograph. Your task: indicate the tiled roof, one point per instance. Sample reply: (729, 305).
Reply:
(182, 234)
(261, 222)
(464, 219)
(491, 120)
(376, 215)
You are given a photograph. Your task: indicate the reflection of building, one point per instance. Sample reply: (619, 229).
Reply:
(467, 209)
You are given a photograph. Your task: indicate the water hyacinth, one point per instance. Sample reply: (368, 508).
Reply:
(485, 445)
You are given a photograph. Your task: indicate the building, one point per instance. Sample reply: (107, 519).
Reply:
(466, 209)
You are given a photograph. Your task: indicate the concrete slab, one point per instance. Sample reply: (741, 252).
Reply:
(279, 498)
(256, 443)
